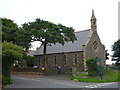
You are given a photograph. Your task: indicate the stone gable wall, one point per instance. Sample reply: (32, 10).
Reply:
(90, 52)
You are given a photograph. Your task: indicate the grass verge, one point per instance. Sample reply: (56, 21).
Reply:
(108, 77)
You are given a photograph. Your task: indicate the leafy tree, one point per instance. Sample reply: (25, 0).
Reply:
(47, 32)
(10, 53)
(116, 49)
(107, 54)
(23, 38)
(9, 28)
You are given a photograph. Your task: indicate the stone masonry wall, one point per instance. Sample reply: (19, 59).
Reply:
(94, 48)
(65, 60)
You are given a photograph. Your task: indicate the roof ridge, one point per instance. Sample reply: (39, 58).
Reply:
(82, 30)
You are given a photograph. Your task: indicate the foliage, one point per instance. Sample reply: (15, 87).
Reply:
(9, 28)
(29, 60)
(10, 53)
(116, 49)
(92, 67)
(47, 32)
(107, 54)
(6, 81)
(12, 33)
(24, 38)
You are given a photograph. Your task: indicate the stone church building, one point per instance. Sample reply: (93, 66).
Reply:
(87, 45)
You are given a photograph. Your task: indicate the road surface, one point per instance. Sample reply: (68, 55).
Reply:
(55, 82)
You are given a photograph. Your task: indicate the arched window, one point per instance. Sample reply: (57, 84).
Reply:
(95, 45)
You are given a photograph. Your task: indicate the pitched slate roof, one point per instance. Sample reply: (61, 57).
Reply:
(82, 37)
(31, 52)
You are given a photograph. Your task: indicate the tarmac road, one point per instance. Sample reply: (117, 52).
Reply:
(58, 81)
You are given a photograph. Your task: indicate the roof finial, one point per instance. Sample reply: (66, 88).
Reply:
(92, 11)
(93, 22)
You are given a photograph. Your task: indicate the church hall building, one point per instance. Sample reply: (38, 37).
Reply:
(87, 45)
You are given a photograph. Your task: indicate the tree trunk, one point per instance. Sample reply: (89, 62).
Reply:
(44, 54)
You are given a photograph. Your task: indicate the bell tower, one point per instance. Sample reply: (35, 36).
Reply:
(93, 22)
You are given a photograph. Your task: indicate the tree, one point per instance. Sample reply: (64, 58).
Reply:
(47, 33)
(107, 54)
(9, 28)
(116, 49)
(10, 53)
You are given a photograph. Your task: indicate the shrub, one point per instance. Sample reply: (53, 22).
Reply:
(10, 53)
(92, 67)
(6, 80)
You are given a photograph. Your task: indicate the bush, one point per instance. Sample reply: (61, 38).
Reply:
(92, 67)
(10, 53)
(6, 80)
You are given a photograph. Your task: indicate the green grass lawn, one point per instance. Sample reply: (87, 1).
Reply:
(108, 77)
(82, 74)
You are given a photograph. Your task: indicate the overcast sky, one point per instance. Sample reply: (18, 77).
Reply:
(74, 13)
